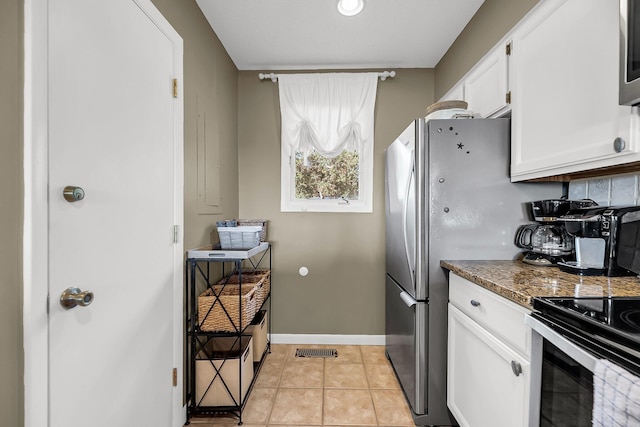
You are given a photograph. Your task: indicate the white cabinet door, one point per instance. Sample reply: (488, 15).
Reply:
(486, 87)
(482, 389)
(565, 112)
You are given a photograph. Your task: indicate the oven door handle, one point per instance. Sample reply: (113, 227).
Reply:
(572, 350)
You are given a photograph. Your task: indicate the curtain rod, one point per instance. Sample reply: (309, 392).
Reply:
(274, 77)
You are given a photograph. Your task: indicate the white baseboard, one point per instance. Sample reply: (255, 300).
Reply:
(327, 339)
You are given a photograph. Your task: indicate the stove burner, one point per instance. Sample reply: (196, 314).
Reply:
(631, 318)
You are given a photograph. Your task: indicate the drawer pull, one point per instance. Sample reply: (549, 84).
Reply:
(475, 303)
(516, 368)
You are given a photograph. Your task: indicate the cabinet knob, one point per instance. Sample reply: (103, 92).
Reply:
(618, 145)
(475, 303)
(516, 368)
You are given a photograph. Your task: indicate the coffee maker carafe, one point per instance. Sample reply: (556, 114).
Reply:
(548, 242)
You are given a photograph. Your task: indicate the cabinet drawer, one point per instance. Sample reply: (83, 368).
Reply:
(502, 317)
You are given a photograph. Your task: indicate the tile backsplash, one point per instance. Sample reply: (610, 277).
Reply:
(616, 190)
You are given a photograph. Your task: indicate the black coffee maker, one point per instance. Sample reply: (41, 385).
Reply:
(607, 241)
(548, 242)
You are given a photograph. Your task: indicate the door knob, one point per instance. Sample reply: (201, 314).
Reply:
(73, 296)
(73, 194)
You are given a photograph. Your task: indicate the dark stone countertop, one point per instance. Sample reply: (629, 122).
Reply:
(520, 282)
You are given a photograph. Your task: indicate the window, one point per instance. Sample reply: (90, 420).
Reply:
(315, 183)
(327, 142)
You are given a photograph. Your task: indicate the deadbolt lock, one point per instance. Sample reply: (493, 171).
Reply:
(73, 194)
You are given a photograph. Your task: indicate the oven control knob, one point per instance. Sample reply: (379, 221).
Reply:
(516, 368)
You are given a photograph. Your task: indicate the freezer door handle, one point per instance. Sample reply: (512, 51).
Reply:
(406, 298)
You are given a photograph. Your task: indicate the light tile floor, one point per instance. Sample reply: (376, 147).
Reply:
(357, 388)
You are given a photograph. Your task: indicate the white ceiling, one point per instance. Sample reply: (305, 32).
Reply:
(311, 34)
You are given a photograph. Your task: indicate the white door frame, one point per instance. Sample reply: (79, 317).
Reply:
(35, 238)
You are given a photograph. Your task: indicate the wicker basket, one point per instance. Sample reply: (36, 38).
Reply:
(263, 287)
(257, 222)
(260, 279)
(220, 308)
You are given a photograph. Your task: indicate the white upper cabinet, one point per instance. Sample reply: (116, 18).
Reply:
(485, 88)
(564, 82)
(456, 93)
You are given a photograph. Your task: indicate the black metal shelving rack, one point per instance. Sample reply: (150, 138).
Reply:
(198, 266)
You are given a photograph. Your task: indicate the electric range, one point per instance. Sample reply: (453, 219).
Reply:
(607, 327)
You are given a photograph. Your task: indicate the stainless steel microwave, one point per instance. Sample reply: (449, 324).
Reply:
(629, 52)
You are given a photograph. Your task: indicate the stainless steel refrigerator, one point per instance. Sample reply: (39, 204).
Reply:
(448, 196)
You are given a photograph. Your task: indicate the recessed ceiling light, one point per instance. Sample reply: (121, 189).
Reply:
(350, 7)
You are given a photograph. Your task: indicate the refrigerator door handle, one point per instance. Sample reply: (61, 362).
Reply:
(406, 298)
(404, 220)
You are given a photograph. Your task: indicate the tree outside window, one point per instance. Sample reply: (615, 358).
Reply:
(320, 177)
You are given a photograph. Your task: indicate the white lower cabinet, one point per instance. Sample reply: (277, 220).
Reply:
(482, 388)
(488, 377)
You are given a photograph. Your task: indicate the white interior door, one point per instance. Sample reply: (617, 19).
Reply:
(112, 132)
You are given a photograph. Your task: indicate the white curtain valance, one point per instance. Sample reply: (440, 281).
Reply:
(327, 112)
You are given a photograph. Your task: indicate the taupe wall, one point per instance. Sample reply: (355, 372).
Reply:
(11, 212)
(210, 85)
(344, 291)
(494, 19)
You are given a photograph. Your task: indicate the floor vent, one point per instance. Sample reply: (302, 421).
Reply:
(316, 352)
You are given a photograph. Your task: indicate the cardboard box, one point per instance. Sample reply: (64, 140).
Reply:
(258, 330)
(224, 361)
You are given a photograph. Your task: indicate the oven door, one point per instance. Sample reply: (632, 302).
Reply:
(562, 379)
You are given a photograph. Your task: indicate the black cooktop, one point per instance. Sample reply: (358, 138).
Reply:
(612, 324)
(620, 313)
